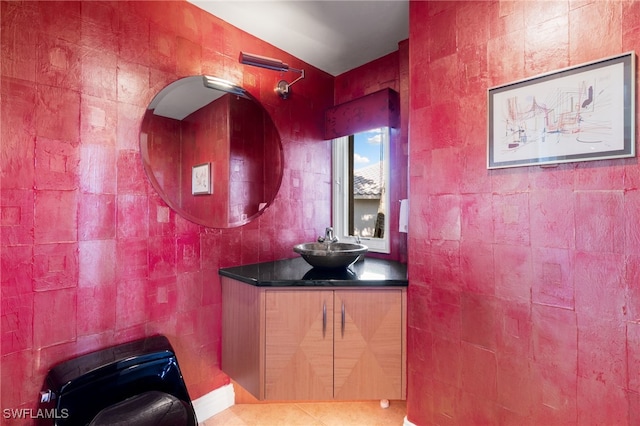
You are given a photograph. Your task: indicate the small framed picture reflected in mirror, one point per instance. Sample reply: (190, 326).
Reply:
(201, 179)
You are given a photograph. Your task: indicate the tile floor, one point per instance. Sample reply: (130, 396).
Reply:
(362, 413)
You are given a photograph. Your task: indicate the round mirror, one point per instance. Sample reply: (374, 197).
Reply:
(211, 151)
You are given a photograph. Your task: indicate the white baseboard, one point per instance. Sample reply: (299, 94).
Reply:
(407, 422)
(214, 402)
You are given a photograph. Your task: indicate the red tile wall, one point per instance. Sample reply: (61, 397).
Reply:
(523, 299)
(91, 256)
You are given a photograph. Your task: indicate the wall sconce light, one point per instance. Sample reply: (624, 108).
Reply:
(282, 88)
(223, 85)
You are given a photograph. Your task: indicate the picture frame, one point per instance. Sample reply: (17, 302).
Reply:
(582, 113)
(201, 179)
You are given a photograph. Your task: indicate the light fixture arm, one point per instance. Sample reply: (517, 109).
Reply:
(282, 88)
(297, 79)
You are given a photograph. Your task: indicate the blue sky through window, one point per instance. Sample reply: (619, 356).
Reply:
(367, 148)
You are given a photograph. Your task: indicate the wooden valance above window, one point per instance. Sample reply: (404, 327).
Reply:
(378, 109)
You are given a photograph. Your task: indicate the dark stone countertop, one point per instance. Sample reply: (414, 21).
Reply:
(370, 272)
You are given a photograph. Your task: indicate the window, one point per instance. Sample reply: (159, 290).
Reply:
(361, 188)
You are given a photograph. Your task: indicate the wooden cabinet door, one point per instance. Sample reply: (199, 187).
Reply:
(368, 344)
(299, 345)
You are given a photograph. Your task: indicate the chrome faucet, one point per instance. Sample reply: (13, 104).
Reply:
(329, 236)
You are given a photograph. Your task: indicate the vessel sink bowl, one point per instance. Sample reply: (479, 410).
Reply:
(330, 255)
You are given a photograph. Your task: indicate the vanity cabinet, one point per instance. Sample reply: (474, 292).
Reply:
(314, 343)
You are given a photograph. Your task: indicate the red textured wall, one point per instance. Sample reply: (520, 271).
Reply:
(90, 254)
(160, 150)
(524, 300)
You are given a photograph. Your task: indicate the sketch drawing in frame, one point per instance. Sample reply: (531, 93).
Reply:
(581, 113)
(201, 179)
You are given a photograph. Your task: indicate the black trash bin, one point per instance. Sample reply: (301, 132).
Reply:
(135, 384)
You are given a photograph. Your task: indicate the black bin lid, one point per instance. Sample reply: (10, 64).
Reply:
(95, 364)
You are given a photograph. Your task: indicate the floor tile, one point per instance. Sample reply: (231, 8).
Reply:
(357, 413)
(364, 413)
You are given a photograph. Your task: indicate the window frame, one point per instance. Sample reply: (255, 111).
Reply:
(340, 185)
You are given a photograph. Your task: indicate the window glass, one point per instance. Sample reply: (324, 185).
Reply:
(360, 183)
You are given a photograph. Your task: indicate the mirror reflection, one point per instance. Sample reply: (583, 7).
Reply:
(211, 151)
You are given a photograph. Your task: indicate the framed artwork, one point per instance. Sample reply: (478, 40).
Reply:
(581, 113)
(201, 179)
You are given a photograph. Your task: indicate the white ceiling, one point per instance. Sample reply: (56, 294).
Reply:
(332, 35)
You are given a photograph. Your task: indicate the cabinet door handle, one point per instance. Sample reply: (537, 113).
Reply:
(324, 318)
(342, 321)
